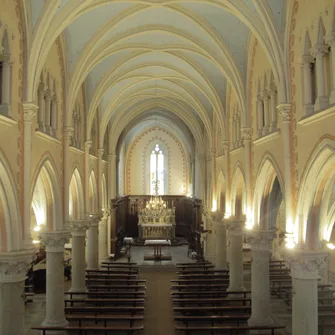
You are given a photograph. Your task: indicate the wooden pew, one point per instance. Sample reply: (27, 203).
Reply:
(204, 276)
(201, 271)
(109, 274)
(104, 309)
(128, 264)
(212, 309)
(93, 279)
(213, 319)
(228, 329)
(210, 301)
(85, 329)
(133, 272)
(206, 286)
(201, 281)
(80, 318)
(114, 287)
(199, 263)
(219, 293)
(202, 267)
(107, 294)
(106, 301)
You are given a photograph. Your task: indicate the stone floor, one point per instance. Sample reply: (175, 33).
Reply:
(35, 311)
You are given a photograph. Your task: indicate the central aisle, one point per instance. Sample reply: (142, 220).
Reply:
(158, 317)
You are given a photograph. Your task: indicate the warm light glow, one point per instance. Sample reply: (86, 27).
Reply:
(331, 246)
(37, 228)
(36, 242)
(290, 245)
(248, 225)
(214, 206)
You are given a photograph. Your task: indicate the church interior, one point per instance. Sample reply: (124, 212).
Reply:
(167, 167)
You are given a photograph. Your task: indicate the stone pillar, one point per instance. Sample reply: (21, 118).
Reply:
(78, 232)
(6, 85)
(236, 254)
(111, 233)
(322, 101)
(68, 132)
(285, 115)
(306, 62)
(330, 40)
(304, 267)
(246, 136)
(266, 100)
(13, 270)
(88, 145)
(260, 243)
(103, 241)
(47, 110)
(92, 243)
(273, 103)
(221, 245)
(54, 115)
(225, 145)
(30, 110)
(260, 116)
(40, 96)
(54, 242)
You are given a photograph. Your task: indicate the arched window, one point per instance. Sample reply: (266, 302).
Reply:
(157, 171)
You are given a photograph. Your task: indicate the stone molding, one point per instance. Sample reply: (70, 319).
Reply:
(319, 50)
(246, 134)
(95, 218)
(55, 240)
(216, 216)
(305, 264)
(88, 145)
(14, 265)
(284, 111)
(30, 110)
(235, 226)
(68, 133)
(260, 240)
(79, 227)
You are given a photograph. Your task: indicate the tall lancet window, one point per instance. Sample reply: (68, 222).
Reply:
(157, 171)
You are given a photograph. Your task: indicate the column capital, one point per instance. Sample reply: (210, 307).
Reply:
(330, 38)
(305, 264)
(246, 134)
(14, 265)
(79, 227)
(95, 218)
(68, 132)
(112, 156)
(235, 226)
(319, 50)
(273, 89)
(216, 217)
(265, 95)
(225, 145)
(100, 153)
(284, 111)
(260, 240)
(306, 60)
(29, 109)
(88, 145)
(41, 88)
(55, 240)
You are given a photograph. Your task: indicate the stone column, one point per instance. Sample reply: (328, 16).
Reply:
(285, 115)
(260, 243)
(78, 232)
(40, 95)
(6, 85)
(54, 242)
(330, 40)
(103, 241)
(54, 115)
(259, 115)
(111, 233)
(47, 110)
(30, 110)
(13, 270)
(319, 52)
(304, 267)
(88, 145)
(225, 145)
(236, 255)
(306, 62)
(68, 132)
(92, 243)
(221, 241)
(266, 100)
(273, 103)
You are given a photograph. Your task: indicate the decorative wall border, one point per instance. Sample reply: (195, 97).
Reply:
(136, 141)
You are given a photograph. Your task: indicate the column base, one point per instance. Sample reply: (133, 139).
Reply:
(308, 109)
(50, 323)
(264, 322)
(332, 98)
(321, 103)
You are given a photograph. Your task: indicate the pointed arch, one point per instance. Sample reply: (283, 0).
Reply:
(76, 196)
(10, 218)
(268, 194)
(46, 198)
(238, 193)
(93, 194)
(316, 203)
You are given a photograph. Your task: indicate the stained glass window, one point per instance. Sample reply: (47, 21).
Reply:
(157, 171)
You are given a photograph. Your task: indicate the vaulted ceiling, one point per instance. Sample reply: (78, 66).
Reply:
(175, 55)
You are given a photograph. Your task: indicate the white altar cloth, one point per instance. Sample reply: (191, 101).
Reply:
(157, 242)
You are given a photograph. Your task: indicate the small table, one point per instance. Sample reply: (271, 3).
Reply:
(157, 244)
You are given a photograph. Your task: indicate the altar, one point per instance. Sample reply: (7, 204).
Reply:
(156, 221)
(157, 256)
